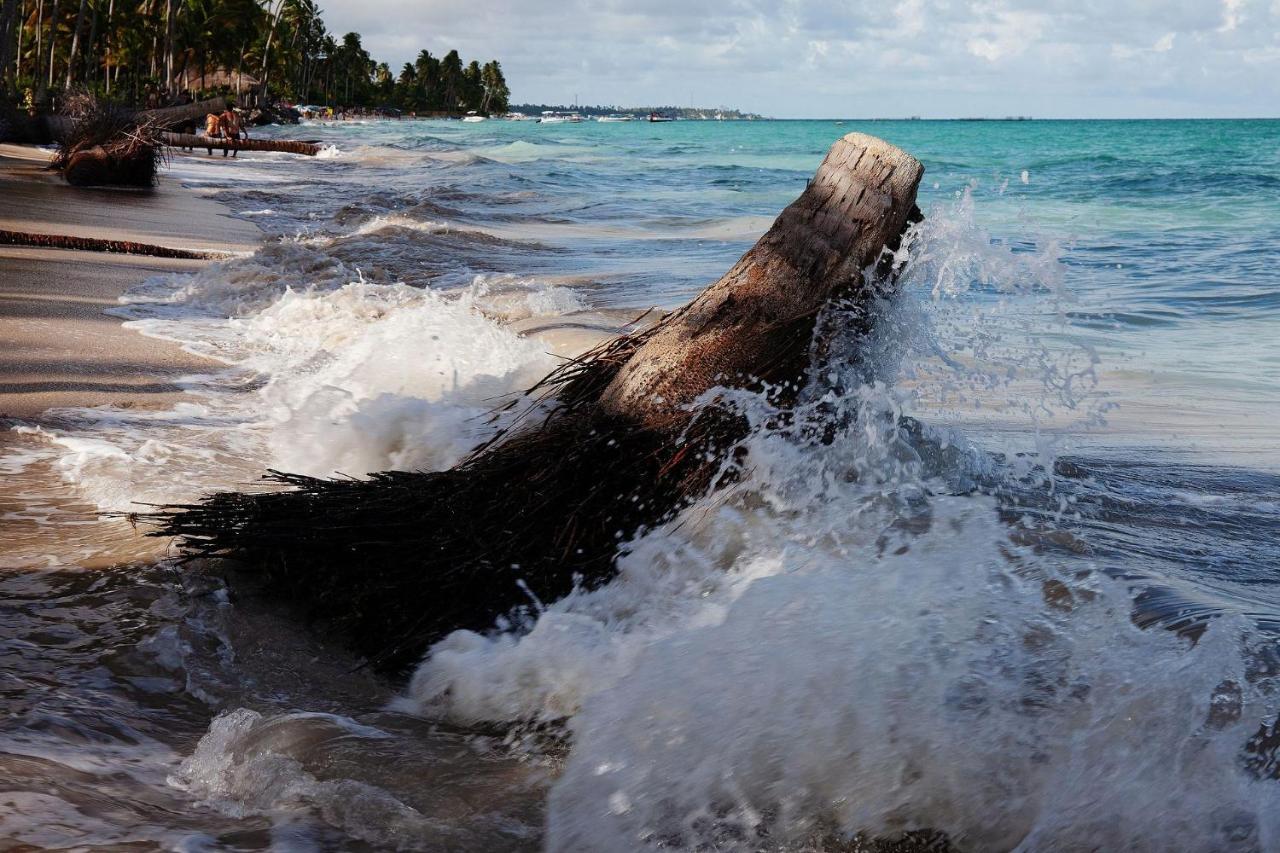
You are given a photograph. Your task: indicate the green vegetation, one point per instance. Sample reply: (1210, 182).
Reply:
(431, 84)
(152, 50)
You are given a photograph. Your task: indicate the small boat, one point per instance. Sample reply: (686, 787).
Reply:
(615, 117)
(550, 117)
(473, 116)
(516, 117)
(656, 117)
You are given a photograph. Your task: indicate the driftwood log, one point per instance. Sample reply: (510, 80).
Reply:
(396, 561)
(100, 244)
(288, 146)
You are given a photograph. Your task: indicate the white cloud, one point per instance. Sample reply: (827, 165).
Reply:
(1003, 33)
(856, 57)
(1231, 15)
(910, 17)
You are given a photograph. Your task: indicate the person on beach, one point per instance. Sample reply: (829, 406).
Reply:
(232, 129)
(213, 129)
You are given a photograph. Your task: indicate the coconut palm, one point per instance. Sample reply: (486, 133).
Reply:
(136, 49)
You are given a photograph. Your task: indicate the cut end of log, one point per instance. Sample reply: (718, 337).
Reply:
(854, 205)
(820, 247)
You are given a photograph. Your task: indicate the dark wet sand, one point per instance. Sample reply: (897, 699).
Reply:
(57, 347)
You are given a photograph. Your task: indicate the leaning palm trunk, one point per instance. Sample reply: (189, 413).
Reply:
(396, 561)
(266, 51)
(75, 45)
(53, 39)
(184, 114)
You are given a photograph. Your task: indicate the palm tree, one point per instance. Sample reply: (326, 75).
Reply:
(271, 33)
(126, 46)
(75, 43)
(354, 63)
(451, 79)
(472, 87)
(53, 38)
(8, 15)
(496, 93)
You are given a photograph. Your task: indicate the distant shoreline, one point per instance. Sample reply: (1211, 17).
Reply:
(1020, 120)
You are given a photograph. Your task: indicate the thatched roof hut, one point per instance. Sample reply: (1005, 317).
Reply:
(237, 81)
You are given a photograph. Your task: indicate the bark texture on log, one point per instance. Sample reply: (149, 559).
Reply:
(99, 244)
(166, 117)
(750, 325)
(396, 562)
(288, 146)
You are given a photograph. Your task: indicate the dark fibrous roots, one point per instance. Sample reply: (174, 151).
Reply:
(395, 562)
(108, 146)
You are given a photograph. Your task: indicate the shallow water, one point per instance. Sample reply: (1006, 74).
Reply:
(1061, 443)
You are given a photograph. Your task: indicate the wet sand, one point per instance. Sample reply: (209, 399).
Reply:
(57, 347)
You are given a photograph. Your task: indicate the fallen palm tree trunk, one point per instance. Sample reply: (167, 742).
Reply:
(167, 117)
(100, 244)
(397, 561)
(58, 127)
(288, 146)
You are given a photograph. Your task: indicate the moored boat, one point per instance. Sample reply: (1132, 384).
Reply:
(552, 117)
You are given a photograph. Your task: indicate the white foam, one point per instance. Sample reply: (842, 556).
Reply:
(286, 767)
(253, 765)
(399, 378)
(931, 688)
(825, 649)
(327, 374)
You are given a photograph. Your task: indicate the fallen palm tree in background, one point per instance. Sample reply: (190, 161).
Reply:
(183, 115)
(103, 144)
(288, 146)
(622, 440)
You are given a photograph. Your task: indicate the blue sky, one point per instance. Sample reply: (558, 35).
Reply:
(857, 58)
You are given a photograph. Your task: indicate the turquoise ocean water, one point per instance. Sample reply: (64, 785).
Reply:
(1028, 598)
(1165, 231)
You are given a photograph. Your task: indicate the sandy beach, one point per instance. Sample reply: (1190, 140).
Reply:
(57, 347)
